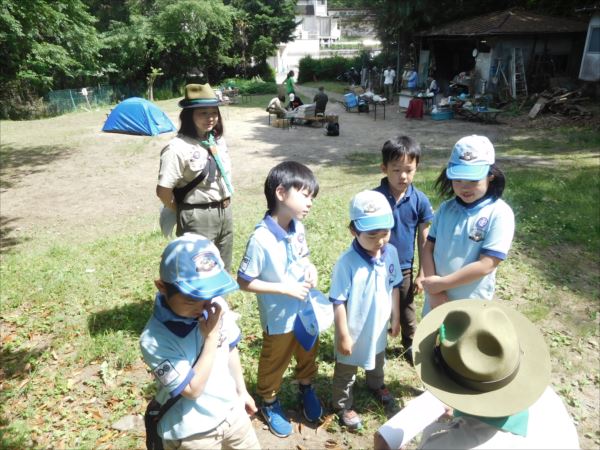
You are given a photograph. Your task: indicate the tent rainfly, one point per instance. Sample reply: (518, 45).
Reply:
(138, 116)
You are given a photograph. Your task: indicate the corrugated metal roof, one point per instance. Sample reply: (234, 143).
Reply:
(507, 22)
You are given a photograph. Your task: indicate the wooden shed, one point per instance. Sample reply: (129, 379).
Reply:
(515, 51)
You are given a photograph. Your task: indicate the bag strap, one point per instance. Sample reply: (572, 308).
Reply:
(180, 193)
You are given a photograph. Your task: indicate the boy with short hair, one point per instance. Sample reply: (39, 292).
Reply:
(412, 216)
(276, 268)
(364, 292)
(189, 343)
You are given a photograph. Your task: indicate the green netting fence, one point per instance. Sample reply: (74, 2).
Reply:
(91, 97)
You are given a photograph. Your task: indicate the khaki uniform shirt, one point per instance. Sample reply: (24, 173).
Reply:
(183, 159)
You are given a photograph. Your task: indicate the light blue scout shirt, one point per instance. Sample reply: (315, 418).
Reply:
(365, 284)
(412, 210)
(170, 345)
(274, 255)
(462, 233)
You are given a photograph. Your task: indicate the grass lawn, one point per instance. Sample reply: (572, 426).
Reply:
(72, 313)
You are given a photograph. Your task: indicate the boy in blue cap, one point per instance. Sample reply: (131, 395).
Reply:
(365, 292)
(412, 216)
(189, 344)
(276, 268)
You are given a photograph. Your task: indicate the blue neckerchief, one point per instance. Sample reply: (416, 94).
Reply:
(485, 199)
(178, 325)
(363, 253)
(515, 424)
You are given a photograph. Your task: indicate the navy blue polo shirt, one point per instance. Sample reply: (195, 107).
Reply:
(412, 209)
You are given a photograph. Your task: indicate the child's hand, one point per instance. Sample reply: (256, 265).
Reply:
(345, 344)
(436, 300)
(210, 325)
(433, 284)
(418, 284)
(311, 275)
(249, 404)
(297, 290)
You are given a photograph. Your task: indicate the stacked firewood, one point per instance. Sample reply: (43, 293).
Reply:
(560, 101)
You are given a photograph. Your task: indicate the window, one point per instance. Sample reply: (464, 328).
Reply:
(594, 45)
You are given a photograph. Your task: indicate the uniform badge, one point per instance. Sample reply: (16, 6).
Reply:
(244, 264)
(477, 232)
(166, 373)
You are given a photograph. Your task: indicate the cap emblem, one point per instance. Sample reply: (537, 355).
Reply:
(468, 156)
(205, 262)
(370, 208)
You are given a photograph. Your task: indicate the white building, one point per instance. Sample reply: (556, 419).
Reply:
(315, 29)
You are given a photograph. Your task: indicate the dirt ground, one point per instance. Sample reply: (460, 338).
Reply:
(107, 182)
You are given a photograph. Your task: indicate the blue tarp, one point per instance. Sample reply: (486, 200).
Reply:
(138, 116)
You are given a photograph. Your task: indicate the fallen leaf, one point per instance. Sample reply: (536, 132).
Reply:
(326, 423)
(300, 447)
(331, 443)
(106, 437)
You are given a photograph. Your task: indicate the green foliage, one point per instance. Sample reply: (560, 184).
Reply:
(255, 86)
(322, 69)
(260, 26)
(43, 44)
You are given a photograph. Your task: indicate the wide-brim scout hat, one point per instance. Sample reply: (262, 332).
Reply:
(199, 96)
(481, 358)
(194, 266)
(471, 159)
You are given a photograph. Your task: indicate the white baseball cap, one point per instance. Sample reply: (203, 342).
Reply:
(471, 159)
(370, 210)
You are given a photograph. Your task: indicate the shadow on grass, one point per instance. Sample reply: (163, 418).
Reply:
(130, 318)
(8, 241)
(18, 162)
(17, 364)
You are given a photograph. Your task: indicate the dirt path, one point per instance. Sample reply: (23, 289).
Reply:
(58, 183)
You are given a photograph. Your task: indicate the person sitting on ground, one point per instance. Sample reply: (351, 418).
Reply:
(320, 100)
(275, 106)
(491, 365)
(295, 101)
(190, 345)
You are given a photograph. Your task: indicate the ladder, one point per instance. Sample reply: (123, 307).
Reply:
(517, 70)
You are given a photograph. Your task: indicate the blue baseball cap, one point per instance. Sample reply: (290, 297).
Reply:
(314, 317)
(471, 159)
(193, 265)
(370, 210)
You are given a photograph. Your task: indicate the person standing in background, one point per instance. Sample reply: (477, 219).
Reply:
(389, 75)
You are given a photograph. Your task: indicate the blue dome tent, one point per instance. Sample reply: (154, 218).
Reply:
(138, 116)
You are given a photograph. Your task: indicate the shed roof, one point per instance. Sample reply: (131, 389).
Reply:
(509, 22)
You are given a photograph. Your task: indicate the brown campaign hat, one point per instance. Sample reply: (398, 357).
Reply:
(481, 357)
(198, 96)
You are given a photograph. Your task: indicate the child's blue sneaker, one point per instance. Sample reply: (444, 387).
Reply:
(279, 425)
(311, 405)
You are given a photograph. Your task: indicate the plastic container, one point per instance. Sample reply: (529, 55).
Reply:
(442, 115)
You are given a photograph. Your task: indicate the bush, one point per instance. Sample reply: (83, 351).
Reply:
(19, 101)
(254, 86)
(327, 68)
